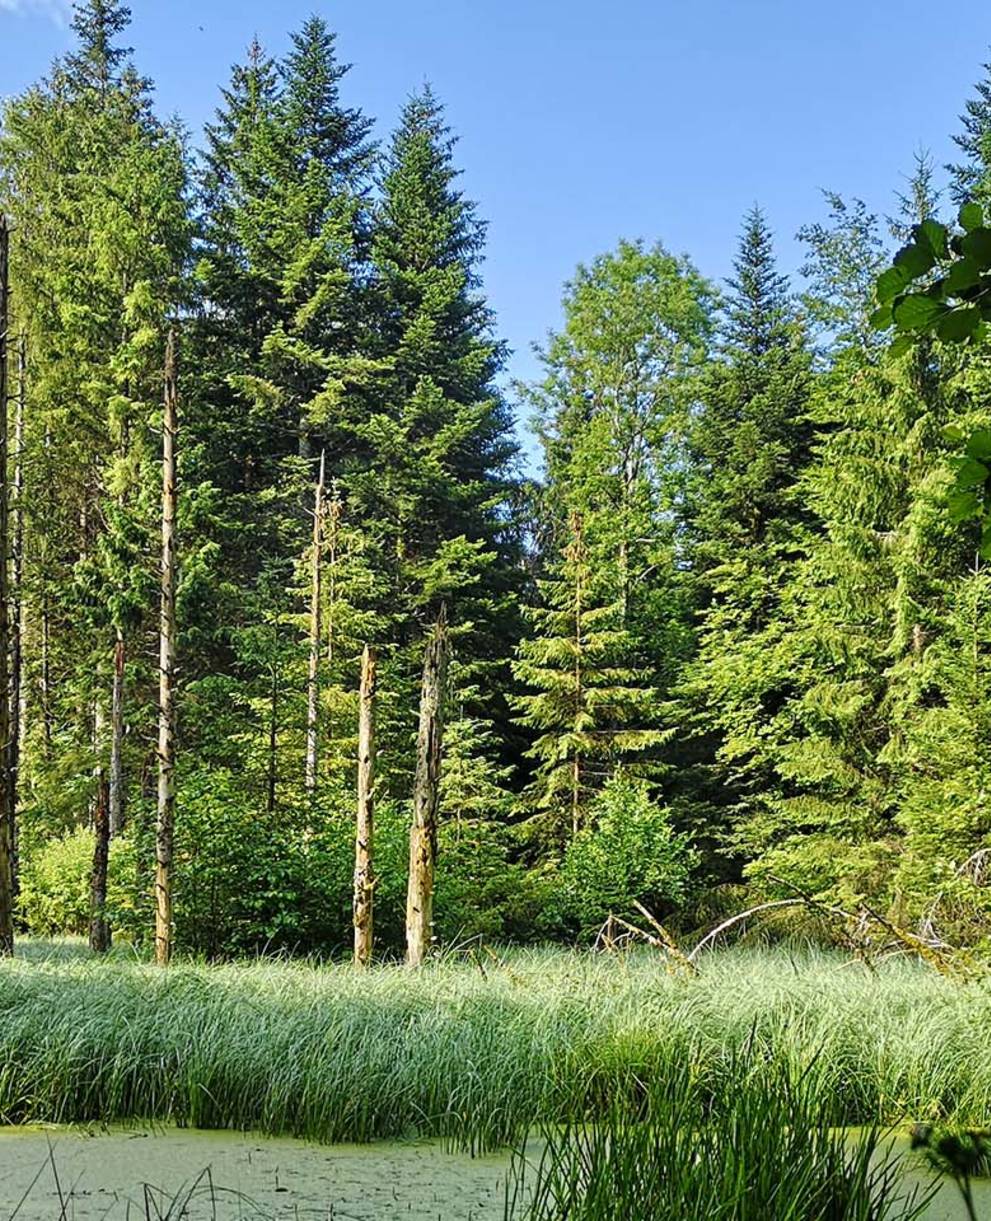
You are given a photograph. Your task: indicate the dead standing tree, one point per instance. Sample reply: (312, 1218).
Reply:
(167, 657)
(6, 809)
(426, 796)
(364, 862)
(17, 603)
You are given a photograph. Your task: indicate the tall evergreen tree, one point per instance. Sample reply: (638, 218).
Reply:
(591, 710)
(746, 526)
(969, 177)
(434, 464)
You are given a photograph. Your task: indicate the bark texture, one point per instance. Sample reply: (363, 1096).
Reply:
(167, 655)
(313, 677)
(426, 795)
(364, 862)
(7, 835)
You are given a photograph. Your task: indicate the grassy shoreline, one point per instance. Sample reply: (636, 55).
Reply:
(477, 1058)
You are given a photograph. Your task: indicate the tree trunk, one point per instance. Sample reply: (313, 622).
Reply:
(6, 809)
(45, 675)
(116, 798)
(426, 793)
(313, 680)
(99, 926)
(167, 655)
(272, 780)
(17, 606)
(364, 868)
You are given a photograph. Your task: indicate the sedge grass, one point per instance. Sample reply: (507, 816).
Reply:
(331, 1054)
(760, 1150)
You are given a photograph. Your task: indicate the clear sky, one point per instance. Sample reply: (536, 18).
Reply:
(584, 121)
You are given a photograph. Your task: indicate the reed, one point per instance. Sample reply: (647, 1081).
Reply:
(475, 1054)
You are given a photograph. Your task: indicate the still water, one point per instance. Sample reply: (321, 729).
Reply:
(79, 1174)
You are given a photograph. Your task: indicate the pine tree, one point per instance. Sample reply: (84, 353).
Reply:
(97, 184)
(747, 527)
(590, 710)
(969, 178)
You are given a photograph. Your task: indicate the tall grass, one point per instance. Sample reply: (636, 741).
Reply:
(762, 1150)
(327, 1053)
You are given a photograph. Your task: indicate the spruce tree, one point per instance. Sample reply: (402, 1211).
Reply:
(746, 525)
(98, 185)
(969, 177)
(590, 709)
(431, 434)
(611, 413)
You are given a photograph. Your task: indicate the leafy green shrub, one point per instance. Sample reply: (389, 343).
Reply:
(629, 853)
(55, 883)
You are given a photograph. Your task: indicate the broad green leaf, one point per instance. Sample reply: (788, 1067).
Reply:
(890, 283)
(899, 346)
(979, 445)
(915, 260)
(985, 547)
(959, 324)
(934, 235)
(962, 506)
(917, 312)
(881, 318)
(964, 274)
(971, 473)
(971, 216)
(977, 246)
(953, 433)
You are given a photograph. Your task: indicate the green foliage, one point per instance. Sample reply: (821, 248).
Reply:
(54, 886)
(628, 853)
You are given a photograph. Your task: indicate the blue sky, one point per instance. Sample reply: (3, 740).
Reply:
(584, 121)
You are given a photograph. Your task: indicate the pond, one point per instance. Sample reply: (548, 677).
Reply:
(85, 1174)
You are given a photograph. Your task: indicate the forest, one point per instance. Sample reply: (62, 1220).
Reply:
(728, 645)
(589, 772)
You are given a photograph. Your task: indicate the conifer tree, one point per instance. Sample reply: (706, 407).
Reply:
(97, 184)
(746, 524)
(969, 177)
(437, 439)
(590, 709)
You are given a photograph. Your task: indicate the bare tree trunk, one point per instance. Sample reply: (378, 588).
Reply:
(6, 809)
(17, 606)
(364, 867)
(45, 668)
(99, 926)
(426, 793)
(116, 798)
(333, 532)
(167, 656)
(273, 741)
(45, 677)
(313, 680)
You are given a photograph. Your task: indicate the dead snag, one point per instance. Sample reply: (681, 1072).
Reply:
(364, 863)
(426, 793)
(167, 655)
